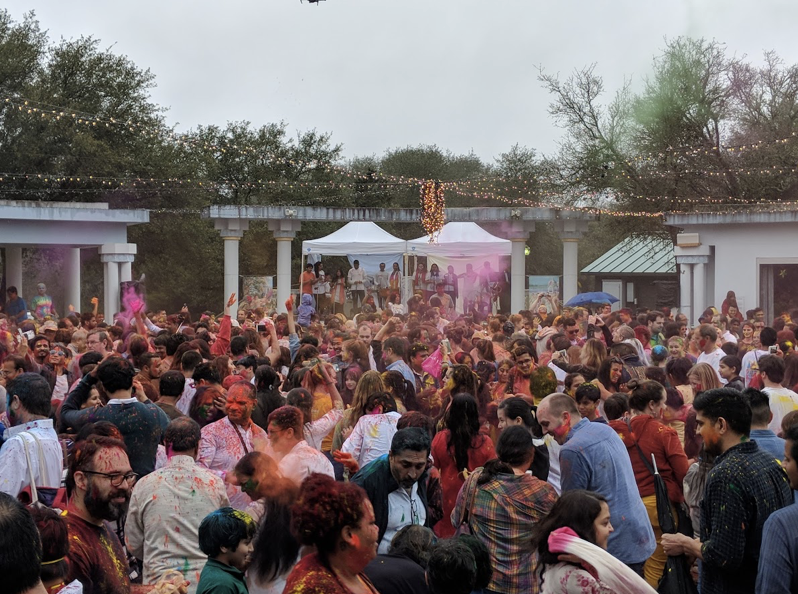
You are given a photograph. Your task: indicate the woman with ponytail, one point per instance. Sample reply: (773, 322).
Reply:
(506, 503)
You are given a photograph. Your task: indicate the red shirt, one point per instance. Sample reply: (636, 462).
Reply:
(451, 478)
(96, 557)
(660, 440)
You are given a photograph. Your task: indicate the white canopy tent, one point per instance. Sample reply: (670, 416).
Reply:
(459, 244)
(355, 238)
(363, 241)
(462, 241)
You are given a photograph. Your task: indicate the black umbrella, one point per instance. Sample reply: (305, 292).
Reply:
(676, 579)
(664, 512)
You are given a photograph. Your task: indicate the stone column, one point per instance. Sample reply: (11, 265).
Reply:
(518, 234)
(125, 272)
(72, 274)
(692, 257)
(570, 232)
(231, 268)
(110, 289)
(699, 287)
(231, 230)
(686, 290)
(113, 256)
(14, 269)
(284, 231)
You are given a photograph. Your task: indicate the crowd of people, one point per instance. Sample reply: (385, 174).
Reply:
(356, 291)
(410, 449)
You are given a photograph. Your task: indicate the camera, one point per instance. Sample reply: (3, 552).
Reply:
(773, 349)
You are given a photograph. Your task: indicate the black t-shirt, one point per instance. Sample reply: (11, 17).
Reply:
(396, 574)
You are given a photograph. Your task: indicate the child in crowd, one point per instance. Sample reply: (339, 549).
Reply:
(587, 399)
(305, 311)
(226, 537)
(729, 369)
(372, 435)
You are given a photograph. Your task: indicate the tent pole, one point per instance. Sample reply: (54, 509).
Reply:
(403, 288)
(301, 272)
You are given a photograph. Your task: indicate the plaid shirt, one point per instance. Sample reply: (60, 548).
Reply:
(502, 516)
(743, 489)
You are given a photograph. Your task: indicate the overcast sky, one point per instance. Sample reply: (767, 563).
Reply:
(382, 74)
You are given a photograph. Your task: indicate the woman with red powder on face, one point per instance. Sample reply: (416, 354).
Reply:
(336, 518)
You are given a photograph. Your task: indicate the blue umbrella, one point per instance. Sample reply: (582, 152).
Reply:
(588, 298)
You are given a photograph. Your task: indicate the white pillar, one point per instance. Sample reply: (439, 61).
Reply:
(125, 272)
(686, 291)
(231, 269)
(284, 231)
(570, 253)
(231, 230)
(517, 275)
(114, 256)
(283, 270)
(111, 291)
(570, 232)
(699, 290)
(14, 269)
(72, 273)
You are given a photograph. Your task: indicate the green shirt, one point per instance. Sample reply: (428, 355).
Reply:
(220, 578)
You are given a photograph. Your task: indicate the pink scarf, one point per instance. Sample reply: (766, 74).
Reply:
(606, 568)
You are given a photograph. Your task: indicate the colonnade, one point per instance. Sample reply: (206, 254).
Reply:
(284, 230)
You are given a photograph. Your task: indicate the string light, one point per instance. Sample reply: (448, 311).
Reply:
(171, 182)
(433, 209)
(432, 201)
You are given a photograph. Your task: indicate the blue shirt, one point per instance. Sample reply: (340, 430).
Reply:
(778, 559)
(15, 307)
(768, 441)
(594, 458)
(404, 369)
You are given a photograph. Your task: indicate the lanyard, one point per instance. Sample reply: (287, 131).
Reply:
(240, 438)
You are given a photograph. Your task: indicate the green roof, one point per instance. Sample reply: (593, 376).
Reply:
(637, 254)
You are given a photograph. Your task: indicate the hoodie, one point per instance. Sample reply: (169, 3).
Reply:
(654, 438)
(305, 310)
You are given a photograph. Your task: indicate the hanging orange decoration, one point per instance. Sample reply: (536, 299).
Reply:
(433, 205)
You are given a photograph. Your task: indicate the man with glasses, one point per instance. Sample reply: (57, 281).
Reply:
(13, 366)
(31, 429)
(297, 459)
(519, 376)
(100, 479)
(571, 330)
(99, 342)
